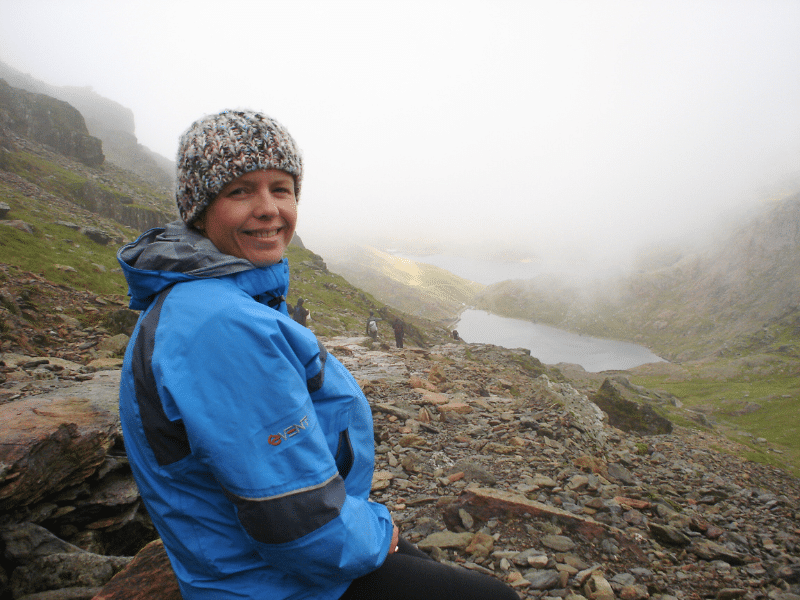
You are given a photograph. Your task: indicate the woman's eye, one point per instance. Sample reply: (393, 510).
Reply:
(236, 191)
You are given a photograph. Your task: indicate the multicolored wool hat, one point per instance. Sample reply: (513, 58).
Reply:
(217, 149)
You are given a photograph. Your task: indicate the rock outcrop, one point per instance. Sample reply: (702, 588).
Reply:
(628, 415)
(49, 121)
(106, 120)
(72, 516)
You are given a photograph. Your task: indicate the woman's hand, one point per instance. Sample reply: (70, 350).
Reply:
(395, 540)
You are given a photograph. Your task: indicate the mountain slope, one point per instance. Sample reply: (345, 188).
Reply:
(414, 287)
(692, 307)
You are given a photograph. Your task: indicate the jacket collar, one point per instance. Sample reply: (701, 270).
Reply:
(164, 256)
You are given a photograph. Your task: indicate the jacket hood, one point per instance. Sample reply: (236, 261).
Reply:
(164, 256)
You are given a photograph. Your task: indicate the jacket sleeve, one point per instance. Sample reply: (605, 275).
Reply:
(249, 416)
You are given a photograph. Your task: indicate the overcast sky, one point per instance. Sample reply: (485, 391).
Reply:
(557, 125)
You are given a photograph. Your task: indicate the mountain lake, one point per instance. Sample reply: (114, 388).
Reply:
(551, 345)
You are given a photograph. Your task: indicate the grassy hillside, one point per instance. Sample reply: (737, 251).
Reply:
(339, 308)
(414, 287)
(54, 196)
(46, 195)
(751, 390)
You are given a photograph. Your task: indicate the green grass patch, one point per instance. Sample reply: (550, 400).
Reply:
(54, 250)
(47, 175)
(76, 261)
(108, 186)
(763, 406)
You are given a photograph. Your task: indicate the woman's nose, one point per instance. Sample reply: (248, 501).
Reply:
(265, 205)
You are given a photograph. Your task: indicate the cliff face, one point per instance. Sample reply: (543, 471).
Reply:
(107, 120)
(114, 124)
(49, 121)
(48, 159)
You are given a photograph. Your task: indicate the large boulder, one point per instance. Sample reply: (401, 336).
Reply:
(50, 444)
(627, 415)
(70, 513)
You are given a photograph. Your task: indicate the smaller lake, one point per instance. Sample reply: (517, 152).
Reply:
(551, 345)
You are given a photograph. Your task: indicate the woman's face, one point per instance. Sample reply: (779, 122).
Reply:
(253, 217)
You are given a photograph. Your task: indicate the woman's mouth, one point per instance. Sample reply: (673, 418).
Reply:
(263, 234)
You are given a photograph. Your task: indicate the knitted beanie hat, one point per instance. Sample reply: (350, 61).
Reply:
(217, 149)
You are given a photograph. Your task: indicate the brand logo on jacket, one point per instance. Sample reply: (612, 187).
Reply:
(276, 438)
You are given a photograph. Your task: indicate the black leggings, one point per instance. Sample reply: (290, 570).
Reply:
(410, 574)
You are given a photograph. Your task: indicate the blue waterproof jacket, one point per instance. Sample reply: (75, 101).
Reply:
(252, 447)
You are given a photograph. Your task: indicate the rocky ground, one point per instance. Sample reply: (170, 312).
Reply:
(472, 438)
(484, 456)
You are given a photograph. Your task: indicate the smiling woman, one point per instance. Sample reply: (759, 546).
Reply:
(253, 448)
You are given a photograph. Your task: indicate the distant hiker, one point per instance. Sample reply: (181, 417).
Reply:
(372, 326)
(399, 331)
(300, 312)
(252, 446)
(455, 335)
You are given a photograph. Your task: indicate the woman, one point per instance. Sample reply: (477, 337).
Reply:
(253, 447)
